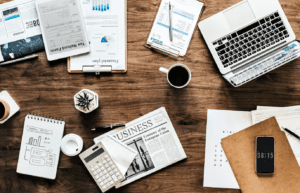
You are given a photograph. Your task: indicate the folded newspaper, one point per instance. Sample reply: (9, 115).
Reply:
(154, 138)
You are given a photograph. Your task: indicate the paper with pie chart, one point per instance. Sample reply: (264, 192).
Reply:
(104, 44)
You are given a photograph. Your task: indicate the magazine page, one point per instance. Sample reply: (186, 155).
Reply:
(20, 32)
(154, 138)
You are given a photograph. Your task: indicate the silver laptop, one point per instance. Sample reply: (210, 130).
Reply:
(247, 39)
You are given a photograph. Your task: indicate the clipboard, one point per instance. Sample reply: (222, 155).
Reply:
(167, 50)
(97, 69)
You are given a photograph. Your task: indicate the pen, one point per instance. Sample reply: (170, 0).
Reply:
(109, 127)
(20, 59)
(292, 133)
(170, 17)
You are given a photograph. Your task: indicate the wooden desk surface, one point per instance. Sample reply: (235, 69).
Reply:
(46, 88)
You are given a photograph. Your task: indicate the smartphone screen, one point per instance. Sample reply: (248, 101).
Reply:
(265, 155)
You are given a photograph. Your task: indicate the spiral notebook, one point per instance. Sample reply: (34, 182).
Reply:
(40, 146)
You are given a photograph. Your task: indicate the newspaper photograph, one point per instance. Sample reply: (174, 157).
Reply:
(155, 140)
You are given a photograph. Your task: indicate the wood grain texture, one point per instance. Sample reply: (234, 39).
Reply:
(46, 88)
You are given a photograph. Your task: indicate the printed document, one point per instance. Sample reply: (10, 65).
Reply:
(154, 139)
(185, 14)
(105, 25)
(220, 124)
(20, 32)
(62, 27)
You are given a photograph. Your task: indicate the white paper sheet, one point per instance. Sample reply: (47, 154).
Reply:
(220, 124)
(120, 153)
(185, 14)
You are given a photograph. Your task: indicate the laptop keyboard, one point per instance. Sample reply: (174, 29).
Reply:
(250, 40)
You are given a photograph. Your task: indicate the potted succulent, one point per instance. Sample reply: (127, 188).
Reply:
(86, 101)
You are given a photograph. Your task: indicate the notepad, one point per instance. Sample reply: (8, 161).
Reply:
(40, 146)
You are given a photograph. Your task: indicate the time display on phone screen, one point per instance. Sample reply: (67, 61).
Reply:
(265, 155)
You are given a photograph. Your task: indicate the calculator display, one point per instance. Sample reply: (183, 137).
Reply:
(93, 155)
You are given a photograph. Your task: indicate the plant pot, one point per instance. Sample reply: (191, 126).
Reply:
(86, 101)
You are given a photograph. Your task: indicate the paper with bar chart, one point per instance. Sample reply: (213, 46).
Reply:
(40, 146)
(106, 28)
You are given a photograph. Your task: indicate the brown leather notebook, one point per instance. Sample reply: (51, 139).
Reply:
(240, 152)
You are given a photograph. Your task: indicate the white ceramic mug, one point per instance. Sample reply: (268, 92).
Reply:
(173, 66)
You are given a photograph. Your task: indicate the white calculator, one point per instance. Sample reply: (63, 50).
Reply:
(101, 166)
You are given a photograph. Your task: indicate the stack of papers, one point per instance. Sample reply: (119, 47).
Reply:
(220, 124)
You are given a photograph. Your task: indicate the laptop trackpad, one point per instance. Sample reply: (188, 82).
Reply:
(239, 15)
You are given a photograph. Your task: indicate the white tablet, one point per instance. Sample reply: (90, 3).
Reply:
(63, 29)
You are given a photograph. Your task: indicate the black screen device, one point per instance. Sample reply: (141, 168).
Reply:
(265, 161)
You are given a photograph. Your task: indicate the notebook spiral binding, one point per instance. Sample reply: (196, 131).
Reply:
(45, 118)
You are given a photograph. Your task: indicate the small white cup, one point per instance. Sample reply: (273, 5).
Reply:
(168, 70)
(71, 144)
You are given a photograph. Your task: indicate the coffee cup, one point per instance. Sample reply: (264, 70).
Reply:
(71, 144)
(4, 110)
(178, 75)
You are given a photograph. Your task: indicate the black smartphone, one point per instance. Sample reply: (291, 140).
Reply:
(265, 161)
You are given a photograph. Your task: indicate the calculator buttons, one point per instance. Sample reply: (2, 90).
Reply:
(101, 184)
(92, 169)
(110, 163)
(104, 172)
(98, 171)
(97, 176)
(111, 172)
(106, 175)
(115, 170)
(104, 187)
(109, 178)
(102, 168)
(108, 169)
(119, 177)
(117, 173)
(113, 166)
(99, 164)
(104, 162)
(114, 178)
(96, 167)
(95, 173)
(100, 174)
(102, 178)
(111, 182)
(106, 156)
(105, 181)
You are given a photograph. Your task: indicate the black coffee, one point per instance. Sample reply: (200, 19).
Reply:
(178, 76)
(2, 110)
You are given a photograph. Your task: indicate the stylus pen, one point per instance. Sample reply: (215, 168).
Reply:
(109, 127)
(292, 133)
(170, 17)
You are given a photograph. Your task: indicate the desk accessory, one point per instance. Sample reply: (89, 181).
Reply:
(101, 166)
(184, 16)
(9, 105)
(40, 146)
(107, 33)
(170, 19)
(240, 152)
(109, 127)
(292, 133)
(178, 75)
(71, 144)
(86, 101)
(19, 59)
